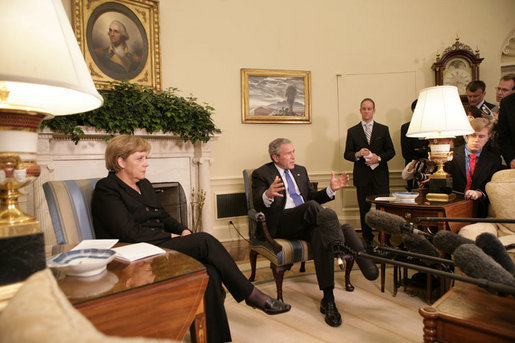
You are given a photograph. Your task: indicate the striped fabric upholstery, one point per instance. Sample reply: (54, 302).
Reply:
(69, 204)
(293, 251)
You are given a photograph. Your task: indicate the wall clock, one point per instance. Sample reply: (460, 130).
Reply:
(457, 66)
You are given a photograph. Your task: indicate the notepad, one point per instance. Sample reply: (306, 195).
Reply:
(96, 244)
(137, 251)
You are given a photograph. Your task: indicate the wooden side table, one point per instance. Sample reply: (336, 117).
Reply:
(456, 208)
(468, 313)
(158, 297)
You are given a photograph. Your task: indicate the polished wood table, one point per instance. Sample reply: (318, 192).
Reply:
(468, 313)
(158, 297)
(421, 207)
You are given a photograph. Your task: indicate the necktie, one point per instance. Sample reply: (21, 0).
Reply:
(297, 199)
(368, 131)
(472, 167)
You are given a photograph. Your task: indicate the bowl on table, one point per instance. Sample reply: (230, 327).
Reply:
(82, 262)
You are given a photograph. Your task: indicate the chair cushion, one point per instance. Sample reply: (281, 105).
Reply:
(40, 312)
(69, 205)
(293, 251)
(500, 191)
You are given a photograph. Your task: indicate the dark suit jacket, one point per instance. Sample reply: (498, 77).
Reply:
(487, 164)
(121, 212)
(410, 146)
(380, 143)
(264, 176)
(506, 128)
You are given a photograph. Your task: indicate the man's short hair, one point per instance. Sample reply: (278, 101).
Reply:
(123, 146)
(508, 77)
(274, 148)
(121, 26)
(475, 85)
(367, 99)
(479, 124)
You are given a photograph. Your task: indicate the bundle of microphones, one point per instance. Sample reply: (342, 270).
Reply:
(484, 262)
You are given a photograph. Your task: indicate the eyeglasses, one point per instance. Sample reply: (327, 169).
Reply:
(504, 90)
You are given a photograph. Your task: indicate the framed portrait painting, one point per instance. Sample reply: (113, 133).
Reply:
(119, 40)
(276, 96)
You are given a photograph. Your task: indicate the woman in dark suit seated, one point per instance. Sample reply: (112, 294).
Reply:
(125, 206)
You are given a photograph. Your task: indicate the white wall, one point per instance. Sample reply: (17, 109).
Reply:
(205, 43)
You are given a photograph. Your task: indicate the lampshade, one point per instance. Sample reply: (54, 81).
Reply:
(41, 65)
(439, 114)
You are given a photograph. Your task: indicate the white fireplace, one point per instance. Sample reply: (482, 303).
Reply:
(171, 159)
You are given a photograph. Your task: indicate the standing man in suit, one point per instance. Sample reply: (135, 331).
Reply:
(283, 192)
(506, 129)
(476, 91)
(370, 147)
(472, 166)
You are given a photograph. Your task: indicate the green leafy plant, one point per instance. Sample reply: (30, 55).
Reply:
(128, 106)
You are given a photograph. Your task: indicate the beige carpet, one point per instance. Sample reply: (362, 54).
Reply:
(368, 314)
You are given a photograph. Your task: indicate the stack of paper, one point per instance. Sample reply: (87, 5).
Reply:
(137, 251)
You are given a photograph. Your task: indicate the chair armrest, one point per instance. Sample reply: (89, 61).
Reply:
(260, 218)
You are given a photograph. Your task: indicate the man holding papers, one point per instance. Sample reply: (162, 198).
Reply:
(125, 206)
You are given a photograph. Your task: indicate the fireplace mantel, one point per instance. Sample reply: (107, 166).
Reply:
(171, 159)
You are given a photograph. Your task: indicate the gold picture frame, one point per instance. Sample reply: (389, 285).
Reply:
(275, 96)
(132, 27)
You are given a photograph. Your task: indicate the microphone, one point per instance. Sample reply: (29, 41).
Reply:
(422, 246)
(353, 243)
(255, 215)
(331, 235)
(391, 223)
(475, 263)
(448, 241)
(493, 247)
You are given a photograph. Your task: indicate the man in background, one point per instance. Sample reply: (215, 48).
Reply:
(476, 91)
(370, 147)
(506, 87)
(506, 129)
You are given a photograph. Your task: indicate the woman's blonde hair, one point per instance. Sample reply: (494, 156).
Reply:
(123, 146)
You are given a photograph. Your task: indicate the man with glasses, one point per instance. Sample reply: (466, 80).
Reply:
(506, 87)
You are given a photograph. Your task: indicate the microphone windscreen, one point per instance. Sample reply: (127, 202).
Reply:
(475, 263)
(493, 247)
(420, 245)
(384, 221)
(448, 241)
(367, 267)
(330, 232)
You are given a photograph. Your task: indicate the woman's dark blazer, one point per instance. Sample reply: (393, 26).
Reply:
(121, 212)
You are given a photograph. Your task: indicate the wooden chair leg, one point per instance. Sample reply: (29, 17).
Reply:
(302, 267)
(253, 261)
(349, 263)
(278, 273)
(396, 273)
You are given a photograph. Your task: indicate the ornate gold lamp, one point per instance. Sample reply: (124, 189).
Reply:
(439, 117)
(42, 74)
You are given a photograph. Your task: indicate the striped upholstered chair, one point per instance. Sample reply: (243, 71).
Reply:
(69, 204)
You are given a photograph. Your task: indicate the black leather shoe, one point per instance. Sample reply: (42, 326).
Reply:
(271, 306)
(332, 316)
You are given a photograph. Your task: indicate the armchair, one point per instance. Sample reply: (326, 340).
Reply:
(282, 253)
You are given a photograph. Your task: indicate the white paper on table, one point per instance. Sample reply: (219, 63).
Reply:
(96, 244)
(137, 251)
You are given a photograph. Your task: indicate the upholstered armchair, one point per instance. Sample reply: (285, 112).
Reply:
(501, 192)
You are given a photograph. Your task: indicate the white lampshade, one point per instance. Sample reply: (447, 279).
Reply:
(41, 65)
(439, 114)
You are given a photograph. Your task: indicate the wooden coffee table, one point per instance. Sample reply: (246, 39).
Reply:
(158, 297)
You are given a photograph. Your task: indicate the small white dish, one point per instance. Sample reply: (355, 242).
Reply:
(83, 262)
(406, 196)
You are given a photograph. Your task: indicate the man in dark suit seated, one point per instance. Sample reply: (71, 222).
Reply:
(506, 130)
(473, 164)
(283, 192)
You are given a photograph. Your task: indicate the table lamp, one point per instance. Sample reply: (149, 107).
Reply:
(42, 74)
(439, 117)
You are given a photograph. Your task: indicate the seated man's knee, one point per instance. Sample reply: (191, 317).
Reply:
(313, 206)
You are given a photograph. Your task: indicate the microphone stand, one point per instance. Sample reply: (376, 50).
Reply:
(414, 254)
(418, 220)
(489, 285)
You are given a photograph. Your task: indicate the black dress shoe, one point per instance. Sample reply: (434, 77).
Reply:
(332, 316)
(269, 305)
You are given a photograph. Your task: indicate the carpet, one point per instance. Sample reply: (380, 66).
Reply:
(368, 315)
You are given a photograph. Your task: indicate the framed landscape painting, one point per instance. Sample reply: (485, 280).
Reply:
(276, 96)
(119, 40)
